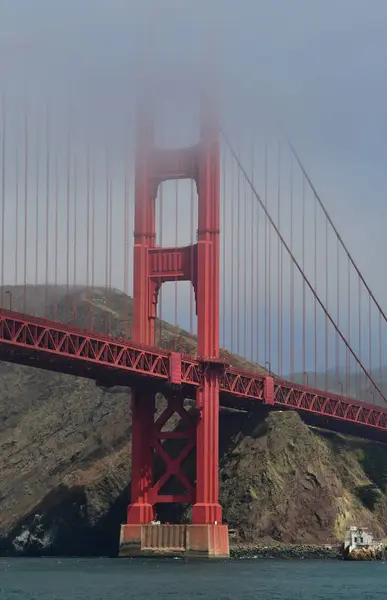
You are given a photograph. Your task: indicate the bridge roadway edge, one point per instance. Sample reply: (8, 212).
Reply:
(41, 343)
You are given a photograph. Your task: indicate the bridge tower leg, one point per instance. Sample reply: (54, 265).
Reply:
(199, 264)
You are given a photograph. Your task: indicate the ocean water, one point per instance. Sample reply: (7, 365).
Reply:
(104, 579)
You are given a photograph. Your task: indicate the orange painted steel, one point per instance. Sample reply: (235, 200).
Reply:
(32, 341)
(153, 266)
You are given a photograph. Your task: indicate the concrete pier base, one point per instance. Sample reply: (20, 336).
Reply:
(189, 541)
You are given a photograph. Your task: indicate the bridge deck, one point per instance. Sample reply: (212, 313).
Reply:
(47, 345)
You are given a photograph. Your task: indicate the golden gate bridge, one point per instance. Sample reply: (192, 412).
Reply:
(276, 312)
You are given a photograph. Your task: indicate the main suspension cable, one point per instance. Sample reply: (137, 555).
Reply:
(298, 266)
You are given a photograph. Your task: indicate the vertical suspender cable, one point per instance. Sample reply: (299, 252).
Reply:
(56, 237)
(75, 248)
(88, 233)
(279, 267)
(192, 293)
(254, 321)
(315, 287)
(245, 262)
(370, 333)
(25, 210)
(291, 276)
(238, 290)
(37, 193)
(232, 258)
(47, 241)
(338, 311)
(160, 303)
(176, 245)
(348, 364)
(380, 347)
(358, 378)
(68, 184)
(110, 250)
(17, 218)
(126, 252)
(107, 175)
(224, 205)
(260, 289)
(326, 303)
(269, 265)
(93, 245)
(3, 171)
(304, 366)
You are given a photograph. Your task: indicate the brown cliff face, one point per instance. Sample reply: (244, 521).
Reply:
(65, 466)
(295, 484)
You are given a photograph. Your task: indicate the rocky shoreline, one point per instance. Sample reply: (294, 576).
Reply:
(301, 551)
(375, 552)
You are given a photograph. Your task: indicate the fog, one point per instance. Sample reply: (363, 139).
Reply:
(72, 72)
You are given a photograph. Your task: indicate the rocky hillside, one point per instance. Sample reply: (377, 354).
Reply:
(65, 459)
(288, 482)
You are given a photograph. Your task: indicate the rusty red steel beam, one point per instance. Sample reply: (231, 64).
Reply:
(329, 405)
(292, 396)
(39, 335)
(47, 337)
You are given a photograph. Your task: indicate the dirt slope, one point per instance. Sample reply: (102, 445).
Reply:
(65, 464)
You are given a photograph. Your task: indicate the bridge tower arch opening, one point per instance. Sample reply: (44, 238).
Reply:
(154, 265)
(176, 226)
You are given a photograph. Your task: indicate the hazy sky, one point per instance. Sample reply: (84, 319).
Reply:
(321, 63)
(320, 67)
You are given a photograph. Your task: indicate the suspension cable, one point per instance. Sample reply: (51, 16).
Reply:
(318, 198)
(298, 266)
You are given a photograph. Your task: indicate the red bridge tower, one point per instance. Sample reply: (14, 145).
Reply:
(199, 264)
